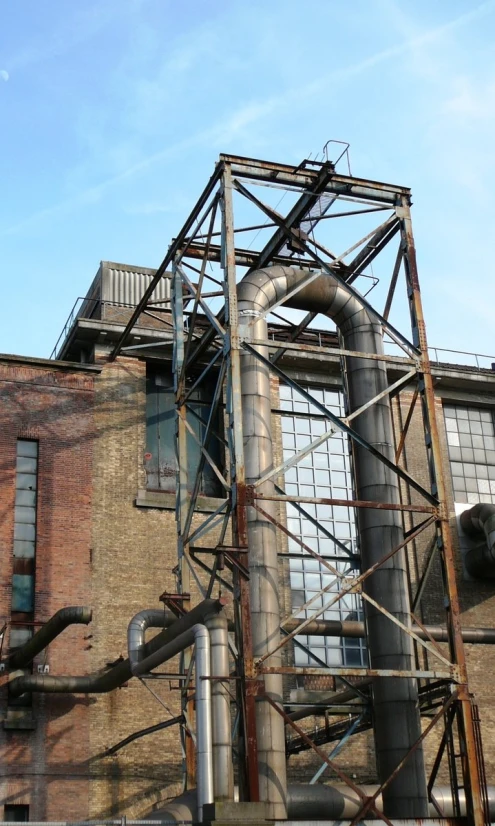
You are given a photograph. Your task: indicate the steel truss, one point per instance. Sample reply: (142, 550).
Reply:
(212, 351)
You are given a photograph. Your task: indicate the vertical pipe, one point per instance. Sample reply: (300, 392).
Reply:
(223, 771)
(395, 701)
(397, 722)
(204, 765)
(263, 567)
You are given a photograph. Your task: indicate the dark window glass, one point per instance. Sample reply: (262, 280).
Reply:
(18, 812)
(161, 459)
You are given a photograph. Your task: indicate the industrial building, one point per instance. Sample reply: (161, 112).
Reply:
(247, 519)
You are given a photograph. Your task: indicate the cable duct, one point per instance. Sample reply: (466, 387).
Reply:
(395, 701)
(478, 522)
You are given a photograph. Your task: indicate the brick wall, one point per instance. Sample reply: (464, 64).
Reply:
(42, 767)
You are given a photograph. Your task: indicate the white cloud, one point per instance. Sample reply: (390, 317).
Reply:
(4, 74)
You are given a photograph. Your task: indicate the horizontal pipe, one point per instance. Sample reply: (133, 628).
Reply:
(357, 630)
(103, 681)
(72, 615)
(321, 802)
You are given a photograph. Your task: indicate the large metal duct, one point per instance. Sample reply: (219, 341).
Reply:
(396, 713)
(319, 802)
(103, 681)
(139, 624)
(72, 615)
(479, 522)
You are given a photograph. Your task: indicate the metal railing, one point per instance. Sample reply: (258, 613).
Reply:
(84, 308)
(477, 361)
(481, 361)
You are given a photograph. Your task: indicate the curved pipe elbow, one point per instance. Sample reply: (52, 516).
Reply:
(139, 624)
(478, 522)
(71, 615)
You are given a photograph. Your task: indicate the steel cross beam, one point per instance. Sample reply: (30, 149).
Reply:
(472, 769)
(342, 426)
(173, 250)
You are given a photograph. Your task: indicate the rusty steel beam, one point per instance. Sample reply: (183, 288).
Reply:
(173, 250)
(471, 766)
(362, 673)
(350, 503)
(330, 763)
(353, 586)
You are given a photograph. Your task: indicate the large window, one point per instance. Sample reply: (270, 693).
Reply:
(24, 553)
(471, 444)
(324, 473)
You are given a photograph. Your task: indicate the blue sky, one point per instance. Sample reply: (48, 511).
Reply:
(113, 113)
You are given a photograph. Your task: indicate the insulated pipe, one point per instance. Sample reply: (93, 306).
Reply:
(103, 681)
(199, 636)
(262, 556)
(136, 630)
(357, 630)
(325, 803)
(72, 615)
(397, 723)
(479, 521)
(204, 767)
(321, 802)
(223, 770)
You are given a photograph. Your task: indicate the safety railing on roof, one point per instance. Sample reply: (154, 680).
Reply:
(86, 308)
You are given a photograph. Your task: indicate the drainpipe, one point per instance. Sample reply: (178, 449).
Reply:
(397, 722)
(478, 522)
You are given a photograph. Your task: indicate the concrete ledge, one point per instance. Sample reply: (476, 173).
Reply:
(166, 501)
(229, 812)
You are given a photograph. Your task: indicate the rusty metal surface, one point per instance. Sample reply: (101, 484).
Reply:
(350, 503)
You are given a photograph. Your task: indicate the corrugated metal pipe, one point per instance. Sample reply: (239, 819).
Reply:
(72, 615)
(477, 522)
(397, 723)
(108, 679)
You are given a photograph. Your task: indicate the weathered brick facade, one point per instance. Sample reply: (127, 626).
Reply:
(53, 404)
